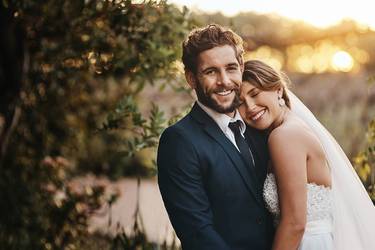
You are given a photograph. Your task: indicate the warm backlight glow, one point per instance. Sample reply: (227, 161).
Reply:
(342, 61)
(323, 56)
(268, 55)
(341, 54)
(321, 13)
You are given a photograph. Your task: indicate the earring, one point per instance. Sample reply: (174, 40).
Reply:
(281, 102)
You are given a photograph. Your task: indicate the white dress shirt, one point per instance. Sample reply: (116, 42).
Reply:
(223, 120)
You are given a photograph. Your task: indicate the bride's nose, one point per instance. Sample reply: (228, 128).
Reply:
(249, 104)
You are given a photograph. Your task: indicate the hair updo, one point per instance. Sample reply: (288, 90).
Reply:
(264, 77)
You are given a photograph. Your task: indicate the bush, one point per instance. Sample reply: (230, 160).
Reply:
(64, 66)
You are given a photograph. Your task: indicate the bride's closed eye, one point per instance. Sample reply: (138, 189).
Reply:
(254, 94)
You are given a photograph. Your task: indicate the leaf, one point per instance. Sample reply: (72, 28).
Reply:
(371, 80)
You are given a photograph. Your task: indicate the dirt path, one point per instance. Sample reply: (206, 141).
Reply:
(155, 219)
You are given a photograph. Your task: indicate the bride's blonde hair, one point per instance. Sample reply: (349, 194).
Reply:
(264, 77)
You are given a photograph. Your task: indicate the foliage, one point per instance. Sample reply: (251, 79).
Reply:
(148, 131)
(80, 59)
(39, 207)
(365, 161)
(139, 241)
(71, 77)
(279, 32)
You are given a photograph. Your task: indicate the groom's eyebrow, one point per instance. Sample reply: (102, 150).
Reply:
(208, 68)
(232, 65)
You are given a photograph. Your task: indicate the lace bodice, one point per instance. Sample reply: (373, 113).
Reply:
(319, 200)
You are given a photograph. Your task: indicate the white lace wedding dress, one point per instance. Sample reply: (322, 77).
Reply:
(319, 225)
(340, 218)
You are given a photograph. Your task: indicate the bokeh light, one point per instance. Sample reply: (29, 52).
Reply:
(342, 61)
(268, 55)
(311, 12)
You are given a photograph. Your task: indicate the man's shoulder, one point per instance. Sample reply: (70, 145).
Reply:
(191, 128)
(184, 121)
(186, 125)
(180, 137)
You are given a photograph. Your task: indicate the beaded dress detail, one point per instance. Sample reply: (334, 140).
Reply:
(319, 200)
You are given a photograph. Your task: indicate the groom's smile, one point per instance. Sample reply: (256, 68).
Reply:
(225, 92)
(225, 97)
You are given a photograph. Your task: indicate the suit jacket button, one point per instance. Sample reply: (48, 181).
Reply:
(259, 220)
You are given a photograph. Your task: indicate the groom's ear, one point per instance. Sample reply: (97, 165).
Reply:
(242, 68)
(191, 79)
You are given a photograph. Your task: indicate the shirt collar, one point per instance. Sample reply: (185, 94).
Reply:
(223, 120)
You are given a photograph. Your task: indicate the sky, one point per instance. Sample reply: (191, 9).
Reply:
(320, 13)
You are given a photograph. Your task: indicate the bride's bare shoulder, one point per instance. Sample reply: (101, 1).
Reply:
(291, 133)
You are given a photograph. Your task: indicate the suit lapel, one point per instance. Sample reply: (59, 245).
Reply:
(246, 171)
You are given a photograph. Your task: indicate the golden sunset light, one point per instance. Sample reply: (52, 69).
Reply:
(344, 50)
(268, 55)
(165, 124)
(319, 13)
(324, 56)
(342, 61)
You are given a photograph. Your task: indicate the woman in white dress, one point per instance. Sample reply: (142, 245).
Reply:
(308, 171)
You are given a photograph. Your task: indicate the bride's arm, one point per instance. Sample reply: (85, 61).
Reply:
(289, 156)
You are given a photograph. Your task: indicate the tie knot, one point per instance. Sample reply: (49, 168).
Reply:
(235, 126)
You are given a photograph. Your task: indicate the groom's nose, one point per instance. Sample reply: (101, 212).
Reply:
(223, 78)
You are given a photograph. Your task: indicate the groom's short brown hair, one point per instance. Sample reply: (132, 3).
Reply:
(206, 38)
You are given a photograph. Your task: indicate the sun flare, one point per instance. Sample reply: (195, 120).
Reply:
(342, 61)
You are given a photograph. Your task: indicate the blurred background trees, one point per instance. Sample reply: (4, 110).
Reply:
(86, 87)
(70, 75)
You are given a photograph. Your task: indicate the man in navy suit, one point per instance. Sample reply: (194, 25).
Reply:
(209, 176)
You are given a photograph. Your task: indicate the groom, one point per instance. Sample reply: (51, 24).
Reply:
(209, 176)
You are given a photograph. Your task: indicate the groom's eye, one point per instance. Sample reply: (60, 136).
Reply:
(209, 72)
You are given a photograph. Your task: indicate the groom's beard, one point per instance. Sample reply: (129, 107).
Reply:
(206, 99)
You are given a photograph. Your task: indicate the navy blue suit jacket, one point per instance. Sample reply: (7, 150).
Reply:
(213, 197)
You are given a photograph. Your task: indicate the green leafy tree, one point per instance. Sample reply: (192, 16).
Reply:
(365, 160)
(64, 66)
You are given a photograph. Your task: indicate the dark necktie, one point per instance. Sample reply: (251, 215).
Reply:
(241, 142)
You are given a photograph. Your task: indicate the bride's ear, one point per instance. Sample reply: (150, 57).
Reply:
(191, 79)
(280, 92)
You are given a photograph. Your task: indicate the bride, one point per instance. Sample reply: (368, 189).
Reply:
(317, 199)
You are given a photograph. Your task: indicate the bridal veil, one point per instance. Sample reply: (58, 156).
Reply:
(354, 212)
